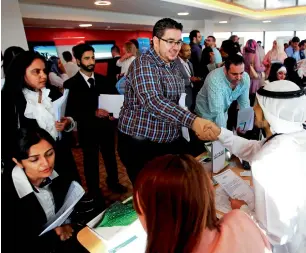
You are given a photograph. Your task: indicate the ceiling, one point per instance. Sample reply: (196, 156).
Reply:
(49, 23)
(143, 7)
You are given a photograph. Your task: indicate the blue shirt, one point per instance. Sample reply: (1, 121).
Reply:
(216, 96)
(294, 54)
(218, 58)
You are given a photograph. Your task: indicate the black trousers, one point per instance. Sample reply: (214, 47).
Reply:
(100, 137)
(135, 153)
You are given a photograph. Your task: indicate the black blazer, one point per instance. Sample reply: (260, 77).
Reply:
(82, 102)
(23, 218)
(13, 106)
(113, 70)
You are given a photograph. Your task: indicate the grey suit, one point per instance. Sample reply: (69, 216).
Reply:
(188, 87)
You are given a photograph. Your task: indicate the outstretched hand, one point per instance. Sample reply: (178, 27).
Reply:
(205, 129)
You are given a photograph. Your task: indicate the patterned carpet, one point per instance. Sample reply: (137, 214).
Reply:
(110, 197)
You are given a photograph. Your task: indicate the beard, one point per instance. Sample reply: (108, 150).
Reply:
(88, 68)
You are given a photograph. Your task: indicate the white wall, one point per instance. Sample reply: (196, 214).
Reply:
(12, 29)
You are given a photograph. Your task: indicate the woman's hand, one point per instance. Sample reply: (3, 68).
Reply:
(64, 232)
(236, 203)
(61, 126)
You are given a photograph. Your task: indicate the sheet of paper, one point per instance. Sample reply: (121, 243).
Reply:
(182, 103)
(245, 119)
(73, 196)
(218, 156)
(59, 107)
(246, 173)
(236, 188)
(111, 103)
(222, 201)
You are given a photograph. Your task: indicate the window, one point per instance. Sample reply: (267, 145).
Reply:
(245, 36)
(302, 2)
(251, 4)
(301, 35)
(284, 36)
(221, 37)
(276, 4)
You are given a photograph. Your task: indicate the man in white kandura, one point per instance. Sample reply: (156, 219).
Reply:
(278, 164)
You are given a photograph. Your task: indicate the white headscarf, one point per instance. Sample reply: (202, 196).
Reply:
(283, 115)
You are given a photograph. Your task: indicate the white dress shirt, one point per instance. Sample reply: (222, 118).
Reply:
(86, 77)
(56, 80)
(125, 64)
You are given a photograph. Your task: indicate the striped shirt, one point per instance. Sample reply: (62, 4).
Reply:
(150, 109)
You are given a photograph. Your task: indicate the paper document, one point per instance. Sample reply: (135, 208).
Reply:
(222, 201)
(73, 196)
(218, 156)
(111, 103)
(235, 187)
(245, 120)
(59, 107)
(182, 103)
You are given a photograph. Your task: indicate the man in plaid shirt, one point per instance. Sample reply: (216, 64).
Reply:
(150, 122)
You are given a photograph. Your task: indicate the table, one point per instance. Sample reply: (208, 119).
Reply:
(94, 245)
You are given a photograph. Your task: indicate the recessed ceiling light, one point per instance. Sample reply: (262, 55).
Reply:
(223, 22)
(266, 21)
(183, 13)
(103, 3)
(85, 25)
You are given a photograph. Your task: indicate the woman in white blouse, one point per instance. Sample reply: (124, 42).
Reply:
(58, 74)
(130, 53)
(27, 102)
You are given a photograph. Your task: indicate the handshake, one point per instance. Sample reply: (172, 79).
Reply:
(205, 129)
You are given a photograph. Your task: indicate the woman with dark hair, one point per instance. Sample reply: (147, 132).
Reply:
(175, 202)
(33, 193)
(27, 102)
(207, 62)
(57, 72)
(292, 75)
(9, 54)
(278, 72)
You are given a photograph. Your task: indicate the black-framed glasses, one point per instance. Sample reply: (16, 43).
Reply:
(172, 43)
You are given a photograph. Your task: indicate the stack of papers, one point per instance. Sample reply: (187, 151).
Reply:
(234, 187)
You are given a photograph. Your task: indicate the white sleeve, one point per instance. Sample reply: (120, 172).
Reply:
(57, 81)
(119, 63)
(240, 147)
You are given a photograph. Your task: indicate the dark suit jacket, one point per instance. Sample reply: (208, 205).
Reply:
(196, 54)
(113, 70)
(188, 88)
(82, 103)
(23, 218)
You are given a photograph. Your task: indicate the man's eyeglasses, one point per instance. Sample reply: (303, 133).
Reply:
(172, 43)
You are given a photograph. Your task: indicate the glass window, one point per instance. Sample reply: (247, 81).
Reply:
(245, 36)
(221, 36)
(301, 35)
(251, 4)
(275, 4)
(285, 36)
(302, 2)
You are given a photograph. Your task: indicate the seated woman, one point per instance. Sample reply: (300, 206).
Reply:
(278, 164)
(33, 193)
(175, 202)
(278, 72)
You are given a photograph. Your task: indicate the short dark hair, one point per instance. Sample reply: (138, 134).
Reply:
(80, 49)
(166, 23)
(302, 43)
(26, 138)
(295, 39)
(213, 37)
(235, 59)
(193, 34)
(259, 42)
(116, 49)
(135, 42)
(67, 56)
(232, 37)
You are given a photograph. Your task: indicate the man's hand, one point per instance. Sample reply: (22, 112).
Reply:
(195, 79)
(205, 129)
(64, 232)
(239, 131)
(236, 203)
(60, 126)
(100, 113)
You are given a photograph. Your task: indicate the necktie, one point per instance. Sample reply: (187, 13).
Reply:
(92, 83)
